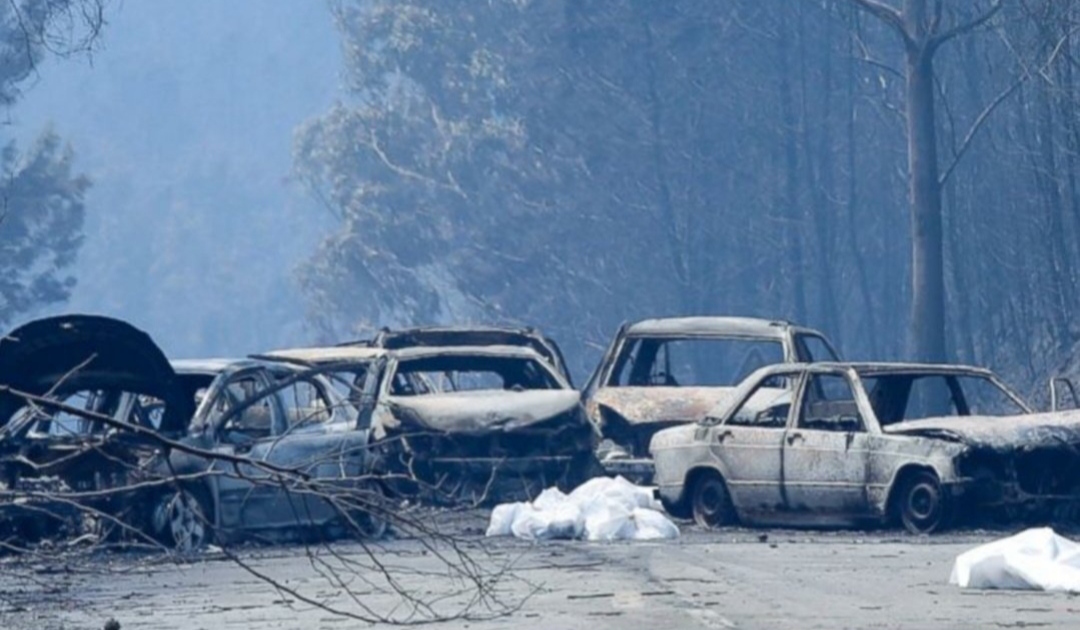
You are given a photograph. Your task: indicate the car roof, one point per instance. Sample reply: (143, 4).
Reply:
(205, 366)
(457, 329)
(710, 326)
(932, 368)
(329, 354)
(884, 368)
(419, 352)
(215, 366)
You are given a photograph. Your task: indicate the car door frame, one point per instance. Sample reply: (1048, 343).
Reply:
(800, 353)
(758, 500)
(813, 493)
(244, 487)
(335, 450)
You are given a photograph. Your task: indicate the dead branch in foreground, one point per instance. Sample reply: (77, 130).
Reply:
(342, 537)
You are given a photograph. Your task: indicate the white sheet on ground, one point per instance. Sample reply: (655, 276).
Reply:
(1035, 559)
(601, 509)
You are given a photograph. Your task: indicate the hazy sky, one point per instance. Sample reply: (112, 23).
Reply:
(183, 119)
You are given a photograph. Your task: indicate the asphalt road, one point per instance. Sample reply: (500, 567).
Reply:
(729, 579)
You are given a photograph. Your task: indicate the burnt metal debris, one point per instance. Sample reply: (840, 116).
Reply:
(477, 423)
(471, 422)
(738, 419)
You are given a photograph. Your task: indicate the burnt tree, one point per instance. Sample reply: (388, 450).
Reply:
(919, 25)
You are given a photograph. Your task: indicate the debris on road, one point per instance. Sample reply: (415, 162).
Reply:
(602, 509)
(1035, 559)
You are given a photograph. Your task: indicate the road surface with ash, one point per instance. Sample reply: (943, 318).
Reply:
(730, 579)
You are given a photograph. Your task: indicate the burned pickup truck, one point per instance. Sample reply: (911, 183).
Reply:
(836, 444)
(659, 373)
(476, 423)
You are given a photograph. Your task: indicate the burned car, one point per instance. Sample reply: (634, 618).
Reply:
(476, 423)
(108, 384)
(834, 444)
(659, 373)
(97, 423)
(276, 450)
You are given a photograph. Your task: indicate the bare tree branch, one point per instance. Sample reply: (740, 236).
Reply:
(987, 111)
(373, 144)
(887, 14)
(967, 27)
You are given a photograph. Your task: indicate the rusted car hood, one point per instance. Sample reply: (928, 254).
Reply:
(483, 411)
(1043, 429)
(645, 405)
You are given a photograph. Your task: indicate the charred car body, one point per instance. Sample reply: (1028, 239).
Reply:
(88, 364)
(848, 444)
(659, 373)
(259, 420)
(114, 431)
(476, 423)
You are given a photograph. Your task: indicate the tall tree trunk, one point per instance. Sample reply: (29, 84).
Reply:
(918, 23)
(928, 271)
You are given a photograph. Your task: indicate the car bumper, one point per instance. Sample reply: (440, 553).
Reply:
(638, 470)
(983, 493)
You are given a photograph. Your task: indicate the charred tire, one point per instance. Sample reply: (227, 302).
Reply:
(371, 523)
(184, 520)
(921, 503)
(710, 502)
(371, 526)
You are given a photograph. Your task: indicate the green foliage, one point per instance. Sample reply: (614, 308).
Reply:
(41, 219)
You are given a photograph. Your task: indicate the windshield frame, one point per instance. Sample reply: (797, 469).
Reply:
(864, 373)
(551, 375)
(630, 342)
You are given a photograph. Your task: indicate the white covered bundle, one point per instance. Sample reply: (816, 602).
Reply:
(600, 509)
(1035, 559)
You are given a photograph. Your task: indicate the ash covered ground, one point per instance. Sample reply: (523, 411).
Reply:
(735, 578)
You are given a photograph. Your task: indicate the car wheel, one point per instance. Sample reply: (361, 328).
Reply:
(922, 505)
(182, 520)
(371, 524)
(710, 502)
